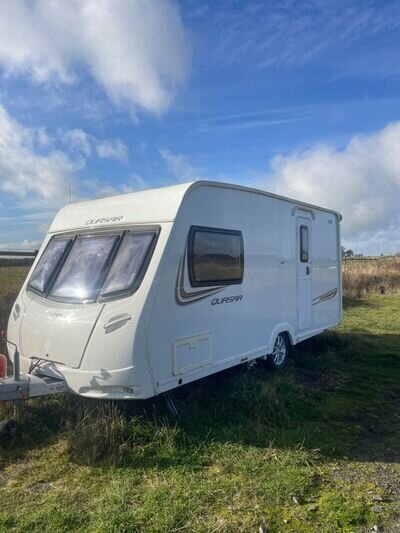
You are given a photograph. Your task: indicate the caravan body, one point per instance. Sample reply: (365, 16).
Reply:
(136, 294)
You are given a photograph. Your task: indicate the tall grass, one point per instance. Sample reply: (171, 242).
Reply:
(362, 277)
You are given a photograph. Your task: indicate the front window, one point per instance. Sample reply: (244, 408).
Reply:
(128, 264)
(83, 268)
(48, 263)
(83, 271)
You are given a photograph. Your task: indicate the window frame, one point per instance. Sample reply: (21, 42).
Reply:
(116, 295)
(307, 251)
(155, 230)
(190, 256)
(53, 276)
(102, 274)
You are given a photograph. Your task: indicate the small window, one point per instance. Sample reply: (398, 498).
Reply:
(48, 263)
(215, 256)
(304, 244)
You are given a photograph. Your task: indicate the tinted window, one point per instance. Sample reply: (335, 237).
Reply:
(128, 263)
(83, 271)
(48, 263)
(215, 256)
(304, 244)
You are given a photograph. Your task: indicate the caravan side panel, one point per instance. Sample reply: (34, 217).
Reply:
(241, 319)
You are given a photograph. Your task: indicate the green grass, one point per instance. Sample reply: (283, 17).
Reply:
(11, 279)
(326, 430)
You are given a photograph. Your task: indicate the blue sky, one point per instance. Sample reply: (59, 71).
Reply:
(297, 97)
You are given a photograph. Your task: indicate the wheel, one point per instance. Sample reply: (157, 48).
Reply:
(8, 428)
(280, 353)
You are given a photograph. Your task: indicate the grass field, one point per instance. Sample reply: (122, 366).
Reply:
(11, 279)
(363, 277)
(312, 449)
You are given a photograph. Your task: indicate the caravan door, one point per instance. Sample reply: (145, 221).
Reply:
(304, 273)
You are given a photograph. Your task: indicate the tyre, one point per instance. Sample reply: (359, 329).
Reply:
(280, 352)
(8, 428)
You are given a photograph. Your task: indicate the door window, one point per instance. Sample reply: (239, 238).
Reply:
(304, 244)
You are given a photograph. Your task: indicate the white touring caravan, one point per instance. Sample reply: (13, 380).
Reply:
(133, 295)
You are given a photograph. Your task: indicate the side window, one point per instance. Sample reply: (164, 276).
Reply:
(304, 244)
(215, 256)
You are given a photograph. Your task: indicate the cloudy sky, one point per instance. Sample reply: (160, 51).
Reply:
(300, 97)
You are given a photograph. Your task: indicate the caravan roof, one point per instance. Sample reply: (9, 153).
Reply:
(142, 207)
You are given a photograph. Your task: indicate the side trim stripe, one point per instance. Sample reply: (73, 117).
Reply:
(184, 297)
(326, 296)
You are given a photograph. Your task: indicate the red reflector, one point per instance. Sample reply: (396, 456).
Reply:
(3, 366)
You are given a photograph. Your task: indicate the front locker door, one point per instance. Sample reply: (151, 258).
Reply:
(304, 274)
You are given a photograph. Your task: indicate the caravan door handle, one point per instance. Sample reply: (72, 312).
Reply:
(308, 270)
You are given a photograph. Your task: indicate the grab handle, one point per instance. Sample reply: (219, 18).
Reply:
(116, 322)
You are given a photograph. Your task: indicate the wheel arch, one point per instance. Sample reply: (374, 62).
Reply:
(285, 328)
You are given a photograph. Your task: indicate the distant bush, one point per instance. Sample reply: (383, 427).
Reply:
(19, 261)
(362, 277)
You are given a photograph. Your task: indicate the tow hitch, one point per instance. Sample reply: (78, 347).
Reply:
(29, 386)
(25, 386)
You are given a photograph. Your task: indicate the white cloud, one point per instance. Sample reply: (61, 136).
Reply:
(374, 243)
(99, 189)
(112, 149)
(24, 170)
(137, 50)
(26, 244)
(33, 169)
(180, 167)
(82, 142)
(77, 140)
(40, 177)
(37, 178)
(362, 181)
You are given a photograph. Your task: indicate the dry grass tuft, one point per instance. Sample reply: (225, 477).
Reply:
(362, 277)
